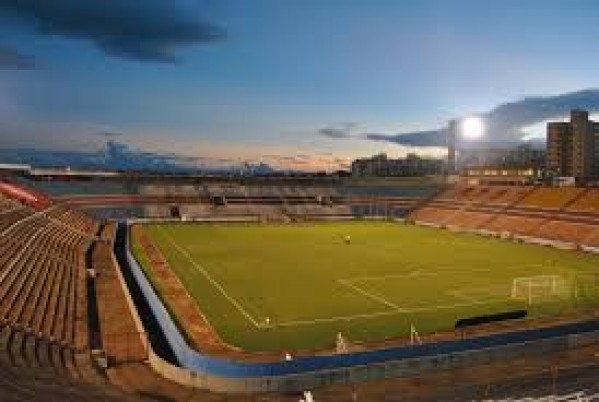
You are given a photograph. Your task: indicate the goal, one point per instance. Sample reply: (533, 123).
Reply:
(342, 346)
(539, 288)
(586, 286)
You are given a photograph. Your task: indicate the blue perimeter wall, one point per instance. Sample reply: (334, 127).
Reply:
(202, 364)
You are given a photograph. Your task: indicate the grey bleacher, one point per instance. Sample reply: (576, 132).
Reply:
(42, 288)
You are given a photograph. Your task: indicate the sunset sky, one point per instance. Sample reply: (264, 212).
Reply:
(303, 81)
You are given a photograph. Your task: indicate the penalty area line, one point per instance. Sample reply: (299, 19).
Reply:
(213, 281)
(455, 305)
(296, 323)
(354, 317)
(459, 295)
(371, 295)
(411, 274)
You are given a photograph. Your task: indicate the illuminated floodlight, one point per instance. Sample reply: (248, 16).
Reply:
(472, 127)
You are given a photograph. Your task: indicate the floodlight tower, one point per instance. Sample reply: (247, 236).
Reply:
(450, 138)
(469, 128)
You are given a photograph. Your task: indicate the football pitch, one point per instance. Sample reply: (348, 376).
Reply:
(270, 287)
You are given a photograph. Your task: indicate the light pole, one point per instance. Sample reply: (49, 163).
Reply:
(450, 137)
(469, 128)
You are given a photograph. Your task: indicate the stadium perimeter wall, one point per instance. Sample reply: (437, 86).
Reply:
(221, 375)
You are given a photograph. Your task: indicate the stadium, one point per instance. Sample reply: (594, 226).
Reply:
(299, 201)
(120, 286)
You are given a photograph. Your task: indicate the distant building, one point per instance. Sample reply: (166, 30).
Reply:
(9, 169)
(524, 158)
(382, 166)
(573, 147)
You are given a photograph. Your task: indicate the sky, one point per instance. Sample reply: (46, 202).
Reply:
(303, 83)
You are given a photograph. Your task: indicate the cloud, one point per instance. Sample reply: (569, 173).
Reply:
(342, 130)
(504, 123)
(113, 156)
(12, 59)
(108, 134)
(132, 29)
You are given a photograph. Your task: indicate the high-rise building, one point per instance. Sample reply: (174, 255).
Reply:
(573, 147)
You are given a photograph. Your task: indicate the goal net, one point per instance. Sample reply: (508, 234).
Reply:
(540, 288)
(586, 286)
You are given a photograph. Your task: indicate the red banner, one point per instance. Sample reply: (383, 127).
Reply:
(28, 197)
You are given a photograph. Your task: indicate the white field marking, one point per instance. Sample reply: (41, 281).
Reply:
(353, 317)
(463, 293)
(470, 302)
(455, 305)
(347, 282)
(213, 281)
(411, 274)
(388, 276)
(459, 295)
(336, 318)
(383, 313)
(552, 264)
(371, 295)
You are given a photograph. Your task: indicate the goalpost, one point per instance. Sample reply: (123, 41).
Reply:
(341, 344)
(414, 336)
(539, 288)
(586, 286)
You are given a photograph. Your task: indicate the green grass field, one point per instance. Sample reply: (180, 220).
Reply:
(312, 285)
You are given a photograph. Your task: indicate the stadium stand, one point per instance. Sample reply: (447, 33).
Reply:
(587, 202)
(569, 232)
(433, 214)
(156, 211)
(491, 195)
(506, 196)
(550, 198)
(569, 215)
(47, 256)
(43, 304)
(267, 202)
(515, 224)
(196, 210)
(468, 219)
(45, 339)
(32, 384)
(259, 200)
